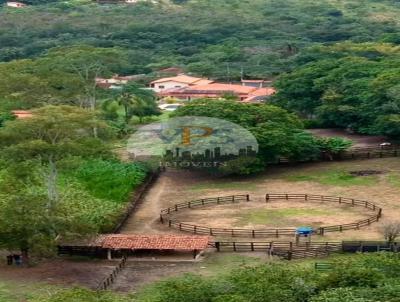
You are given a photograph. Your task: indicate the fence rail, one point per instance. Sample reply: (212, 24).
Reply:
(165, 216)
(110, 279)
(284, 249)
(354, 153)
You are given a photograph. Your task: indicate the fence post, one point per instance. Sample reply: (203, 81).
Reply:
(189, 204)
(194, 229)
(233, 198)
(161, 219)
(253, 234)
(287, 197)
(379, 214)
(247, 197)
(352, 202)
(277, 233)
(217, 246)
(211, 232)
(234, 246)
(252, 246)
(176, 208)
(267, 198)
(169, 223)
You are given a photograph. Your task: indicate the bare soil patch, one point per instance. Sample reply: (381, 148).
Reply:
(66, 272)
(359, 140)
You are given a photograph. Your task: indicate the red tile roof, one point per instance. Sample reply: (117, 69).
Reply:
(21, 114)
(154, 242)
(183, 79)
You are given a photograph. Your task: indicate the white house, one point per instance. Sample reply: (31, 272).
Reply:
(16, 4)
(180, 81)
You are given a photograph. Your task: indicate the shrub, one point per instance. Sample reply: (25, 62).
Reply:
(112, 180)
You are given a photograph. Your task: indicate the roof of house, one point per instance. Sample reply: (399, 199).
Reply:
(155, 242)
(220, 87)
(260, 93)
(21, 114)
(183, 79)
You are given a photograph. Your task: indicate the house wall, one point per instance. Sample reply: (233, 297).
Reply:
(157, 87)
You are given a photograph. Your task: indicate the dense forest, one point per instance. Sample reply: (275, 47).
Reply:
(335, 62)
(211, 38)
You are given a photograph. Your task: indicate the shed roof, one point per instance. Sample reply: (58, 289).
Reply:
(155, 242)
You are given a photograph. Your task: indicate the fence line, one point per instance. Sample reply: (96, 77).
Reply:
(290, 250)
(354, 153)
(272, 232)
(110, 279)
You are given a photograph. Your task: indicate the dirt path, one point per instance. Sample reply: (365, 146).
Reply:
(144, 217)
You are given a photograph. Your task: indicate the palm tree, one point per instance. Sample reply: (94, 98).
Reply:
(137, 100)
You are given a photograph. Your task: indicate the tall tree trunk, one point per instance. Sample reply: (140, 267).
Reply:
(92, 101)
(52, 191)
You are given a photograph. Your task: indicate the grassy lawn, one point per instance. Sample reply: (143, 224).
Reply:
(281, 217)
(334, 178)
(223, 263)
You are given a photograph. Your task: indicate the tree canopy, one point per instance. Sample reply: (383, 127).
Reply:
(346, 85)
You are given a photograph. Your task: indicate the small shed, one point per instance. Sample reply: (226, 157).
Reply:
(150, 243)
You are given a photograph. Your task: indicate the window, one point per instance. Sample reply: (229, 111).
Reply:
(161, 86)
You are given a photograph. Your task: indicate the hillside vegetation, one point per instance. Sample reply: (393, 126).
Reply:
(215, 38)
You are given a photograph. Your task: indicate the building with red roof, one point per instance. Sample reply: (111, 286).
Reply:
(22, 114)
(218, 90)
(127, 244)
(179, 81)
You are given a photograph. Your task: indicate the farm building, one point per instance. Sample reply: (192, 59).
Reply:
(218, 90)
(118, 245)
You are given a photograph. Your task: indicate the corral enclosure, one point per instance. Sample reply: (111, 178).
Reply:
(328, 178)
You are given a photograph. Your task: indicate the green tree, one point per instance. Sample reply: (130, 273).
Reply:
(137, 101)
(52, 133)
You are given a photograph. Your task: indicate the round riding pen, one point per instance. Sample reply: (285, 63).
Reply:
(167, 215)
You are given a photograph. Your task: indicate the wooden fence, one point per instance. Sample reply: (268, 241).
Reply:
(165, 216)
(285, 249)
(354, 153)
(110, 279)
(290, 250)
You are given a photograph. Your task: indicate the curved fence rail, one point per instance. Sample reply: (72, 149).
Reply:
(166, 216)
